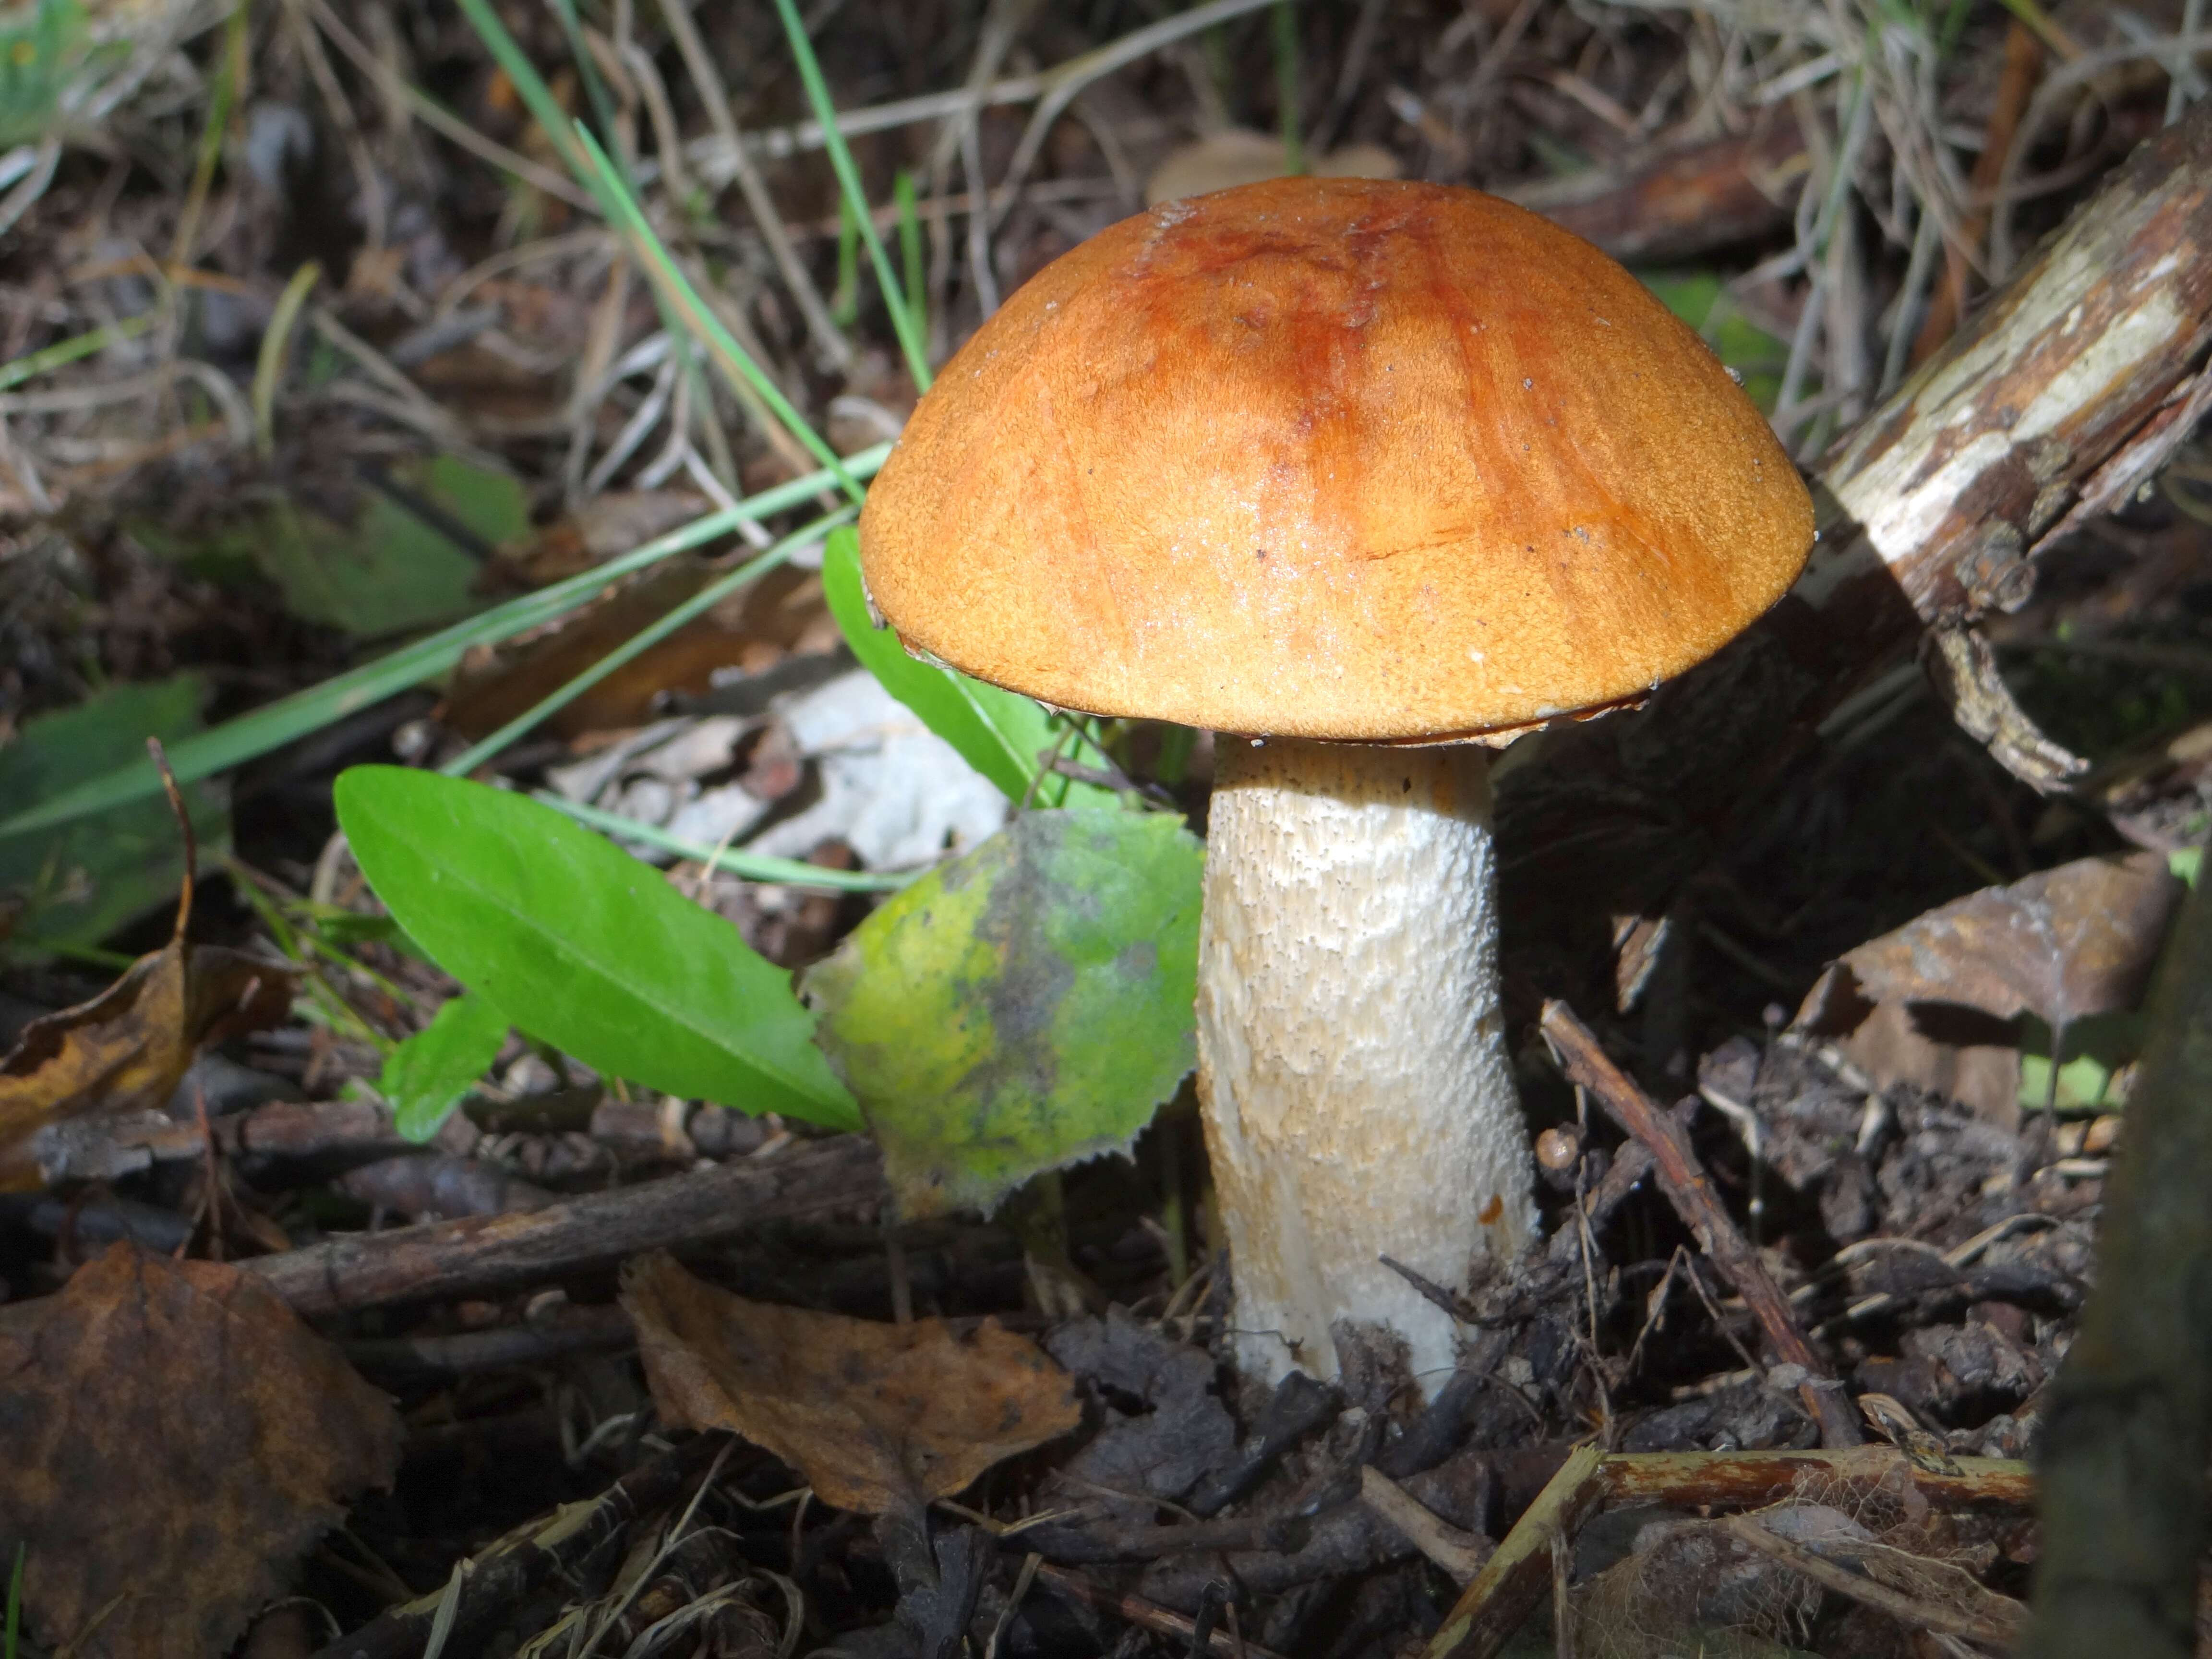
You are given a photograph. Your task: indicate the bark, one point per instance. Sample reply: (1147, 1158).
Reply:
(487, 1254)
(2130, 1417)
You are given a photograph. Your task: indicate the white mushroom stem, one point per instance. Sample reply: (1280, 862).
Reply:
(1357, 1099)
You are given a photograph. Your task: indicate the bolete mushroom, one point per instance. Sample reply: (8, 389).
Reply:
(1358, 474)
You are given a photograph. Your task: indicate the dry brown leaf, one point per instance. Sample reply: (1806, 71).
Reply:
(608, 524)
(1935, 1003)
(126, 1048)
(865, 1411)
(782, 613)
(175, 1436)
(1222, 161)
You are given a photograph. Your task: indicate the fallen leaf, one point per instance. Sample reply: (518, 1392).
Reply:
(80, 881)
(175, 1437)
(1940, 1003)
(379, 563)
(1222, 161)
(1022, 1008)
(866, 1411)
(1163, 1427)
(126, 1049)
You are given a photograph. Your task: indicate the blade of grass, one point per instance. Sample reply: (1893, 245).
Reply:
(595, 86)
(708, 597)
(276, 341)
(845, 301)
(679, 301)
(528, 84)
(903, 322)
(682, 303)
(752, 866)
(33, 364)
(438, 118)
(910, 230)
(295, 716)
(230, 73)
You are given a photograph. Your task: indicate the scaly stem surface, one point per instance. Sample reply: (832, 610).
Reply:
(1357, 1099)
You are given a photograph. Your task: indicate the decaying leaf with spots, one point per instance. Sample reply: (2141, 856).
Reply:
(869, 1414)
(126, 1048)
(175, 1437)
(1022, 1008)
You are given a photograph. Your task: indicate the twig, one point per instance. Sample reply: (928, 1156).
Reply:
(1461, 1554)
(487, 1252)
(1752, 1479)
(1687, 1187)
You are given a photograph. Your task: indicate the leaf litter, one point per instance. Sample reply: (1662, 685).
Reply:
(868, 1414)
(127, 1049)
(176, 1438)
(1933, 1252)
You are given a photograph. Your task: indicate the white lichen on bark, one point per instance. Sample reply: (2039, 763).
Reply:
(1357, 1098)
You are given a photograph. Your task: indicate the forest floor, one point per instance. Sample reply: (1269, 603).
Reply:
(312, 348)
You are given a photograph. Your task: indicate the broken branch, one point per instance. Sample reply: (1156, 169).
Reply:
(482, 1254)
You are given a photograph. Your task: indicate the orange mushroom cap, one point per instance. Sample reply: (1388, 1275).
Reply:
(1333, 458)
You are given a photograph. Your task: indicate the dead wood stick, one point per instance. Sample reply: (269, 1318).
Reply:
(483, 1254)
(106, 1148)
(1148, 1615)
(1682, 204)
(493, 1585)
(1752, 1480)
(1461, 1554)
(1683, 1179)
(2001, 1620)
(2129, 1422)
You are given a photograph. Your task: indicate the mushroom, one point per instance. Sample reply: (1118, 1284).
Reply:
(1363, 476)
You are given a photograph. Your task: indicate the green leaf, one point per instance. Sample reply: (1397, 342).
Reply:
(425, 1077)
(999, 732)
(585, 947)
(1022, 1008)
(386, 569)
(79, 881)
